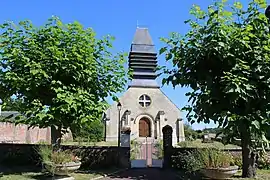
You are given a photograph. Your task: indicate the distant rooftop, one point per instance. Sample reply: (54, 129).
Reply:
(8, 113)
(5, 114)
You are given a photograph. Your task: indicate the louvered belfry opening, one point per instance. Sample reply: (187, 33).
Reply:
(143, 59)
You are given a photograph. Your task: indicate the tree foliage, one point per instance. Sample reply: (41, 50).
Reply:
(213, 130)
(190, 133)
(92, 132)
(12, 104)
(60, 72)
(225, 60)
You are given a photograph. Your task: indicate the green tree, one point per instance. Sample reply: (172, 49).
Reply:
(190, 134)
(61, 72)
(213, 130)
(12, 104)
(225, 60)
(93, 132)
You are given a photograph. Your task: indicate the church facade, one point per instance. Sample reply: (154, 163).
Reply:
(145, 108)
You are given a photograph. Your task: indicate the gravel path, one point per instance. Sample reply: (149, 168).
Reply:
(143, 174)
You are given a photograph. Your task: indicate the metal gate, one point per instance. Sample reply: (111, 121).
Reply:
(146, 152)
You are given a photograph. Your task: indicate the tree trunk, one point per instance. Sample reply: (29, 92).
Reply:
(248, 156)
(56, 136)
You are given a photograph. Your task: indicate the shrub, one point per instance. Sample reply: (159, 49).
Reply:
(135, 149)
(203, 158)
(264, 161)
(184, 144)
(56, 157)
(45, 153)
(159, 149)
(190, 134)
(214, 158)
(91, 133)
(188, 161)
(51, 159)
(237, 160)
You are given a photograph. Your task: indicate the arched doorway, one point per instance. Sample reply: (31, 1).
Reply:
(144, 127)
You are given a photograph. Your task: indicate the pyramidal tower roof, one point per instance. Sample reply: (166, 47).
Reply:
(142, 36)
(143, 60)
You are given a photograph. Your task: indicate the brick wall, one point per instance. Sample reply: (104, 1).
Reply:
(92, 157)
(9, 132)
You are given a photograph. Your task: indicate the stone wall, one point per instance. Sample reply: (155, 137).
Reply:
(92, 157)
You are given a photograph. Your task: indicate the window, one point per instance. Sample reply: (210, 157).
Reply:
(144, 100)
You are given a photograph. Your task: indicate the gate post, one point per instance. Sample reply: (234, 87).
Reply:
(125, 137)
(167, 146)
(124, 159)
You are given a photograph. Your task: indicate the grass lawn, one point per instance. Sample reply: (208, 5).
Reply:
(28, 173)
(41, 176)
(198, 144)
(261, 175)
(102, 143)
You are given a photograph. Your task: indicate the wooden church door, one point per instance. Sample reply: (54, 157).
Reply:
(144, 128)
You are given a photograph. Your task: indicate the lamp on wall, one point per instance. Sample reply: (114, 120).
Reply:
(119, 107)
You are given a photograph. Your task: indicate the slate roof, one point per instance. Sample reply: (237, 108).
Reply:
(142, 41)
(142, 36)
(5, 114)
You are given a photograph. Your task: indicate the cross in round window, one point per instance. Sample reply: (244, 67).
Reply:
(144, 100)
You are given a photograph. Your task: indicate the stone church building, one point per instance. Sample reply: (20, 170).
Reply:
(145, 108)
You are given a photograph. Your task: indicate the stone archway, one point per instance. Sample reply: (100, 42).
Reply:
(144, 127)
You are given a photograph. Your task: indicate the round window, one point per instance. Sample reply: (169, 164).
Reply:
(144, 100)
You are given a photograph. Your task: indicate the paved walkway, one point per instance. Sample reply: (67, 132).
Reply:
(143, 174)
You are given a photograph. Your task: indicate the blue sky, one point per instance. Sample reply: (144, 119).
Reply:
(118, 18)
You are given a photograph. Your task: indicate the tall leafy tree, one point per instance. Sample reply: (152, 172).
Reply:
(225, 60)
(62, 73)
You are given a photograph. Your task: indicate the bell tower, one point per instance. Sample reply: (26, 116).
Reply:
(143, 60)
